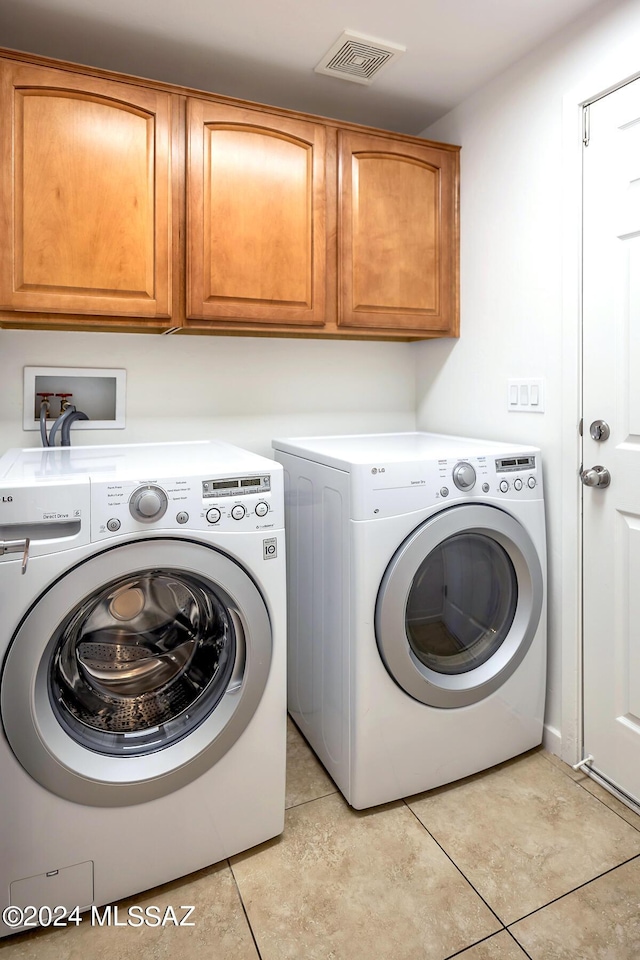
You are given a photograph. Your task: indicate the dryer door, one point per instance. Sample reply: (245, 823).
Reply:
(459, 605)
(136, 671)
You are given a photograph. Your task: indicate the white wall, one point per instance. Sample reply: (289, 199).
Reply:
(519, 289)
(244, 390)
(515, 323)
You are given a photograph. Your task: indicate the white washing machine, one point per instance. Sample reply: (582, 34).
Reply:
(417, 613)
(143, 651)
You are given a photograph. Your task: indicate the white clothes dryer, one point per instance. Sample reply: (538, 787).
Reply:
(143, 649)
(417, 606)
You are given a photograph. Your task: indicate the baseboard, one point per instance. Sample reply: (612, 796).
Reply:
(552, 740)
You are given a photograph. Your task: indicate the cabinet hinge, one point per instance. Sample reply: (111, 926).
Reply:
(586, 125)
(580, 426)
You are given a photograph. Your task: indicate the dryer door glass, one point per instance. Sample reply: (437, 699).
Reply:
(461, 603)
(140, 663)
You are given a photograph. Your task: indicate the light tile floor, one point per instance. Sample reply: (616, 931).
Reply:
(528, 859)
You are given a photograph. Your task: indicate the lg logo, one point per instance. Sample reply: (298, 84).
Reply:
(7, 499)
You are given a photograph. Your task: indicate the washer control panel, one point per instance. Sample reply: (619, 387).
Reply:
(233, 503)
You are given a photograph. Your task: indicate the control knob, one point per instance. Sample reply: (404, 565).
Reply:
(464, 476)
(148, 503)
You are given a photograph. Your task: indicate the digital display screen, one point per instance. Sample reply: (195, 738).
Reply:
(235, 486)
(515, 463)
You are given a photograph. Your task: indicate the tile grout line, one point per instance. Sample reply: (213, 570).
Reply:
(595, 797)
(573, 890)
(606, 805)
(538, 909)
(504, 927)
(517, 942)
(302, 803)
(244, 910)
(471, 946)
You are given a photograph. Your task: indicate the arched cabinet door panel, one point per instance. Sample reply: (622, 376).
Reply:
(256, 204)
(84, 194)
(398, 236)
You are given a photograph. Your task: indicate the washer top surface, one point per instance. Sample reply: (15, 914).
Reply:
(345, 452)
(122, 461)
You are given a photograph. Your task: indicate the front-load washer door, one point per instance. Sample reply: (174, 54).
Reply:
(136, 671)
(459, 605)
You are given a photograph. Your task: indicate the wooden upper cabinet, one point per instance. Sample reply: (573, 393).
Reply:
(256, 245)
(126, 204)
(84, 194)
(397, 236)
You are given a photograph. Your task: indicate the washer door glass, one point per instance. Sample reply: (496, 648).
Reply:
(136, 671)
(140, 663)
(461, 603)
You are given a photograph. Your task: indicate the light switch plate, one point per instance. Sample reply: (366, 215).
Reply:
(525, 396)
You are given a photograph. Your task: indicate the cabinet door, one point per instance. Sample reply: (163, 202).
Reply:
(398, 236)
(84, 194)
(255, 216)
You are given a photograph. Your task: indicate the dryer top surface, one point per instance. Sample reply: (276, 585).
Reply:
(122, 461)
(345, 452)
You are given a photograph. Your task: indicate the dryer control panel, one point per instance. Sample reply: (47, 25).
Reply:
(390, 489)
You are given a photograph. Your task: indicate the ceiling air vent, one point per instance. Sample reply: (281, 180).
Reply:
(356, 57)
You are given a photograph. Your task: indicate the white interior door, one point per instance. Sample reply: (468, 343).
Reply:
(611, 514)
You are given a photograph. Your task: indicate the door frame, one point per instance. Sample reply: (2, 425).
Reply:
(614, 72)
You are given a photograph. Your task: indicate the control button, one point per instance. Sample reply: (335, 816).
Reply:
(182, 517)
(444, 491)
(238, 511)
(464, 476)
(517, 484)
(213, 515)
(504, 486)
(485, 488)
(148, 503)
(113, 525)
(262, 509)
(531, 482)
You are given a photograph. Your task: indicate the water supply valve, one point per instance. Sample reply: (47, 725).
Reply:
(44, 401)
(64, 401)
